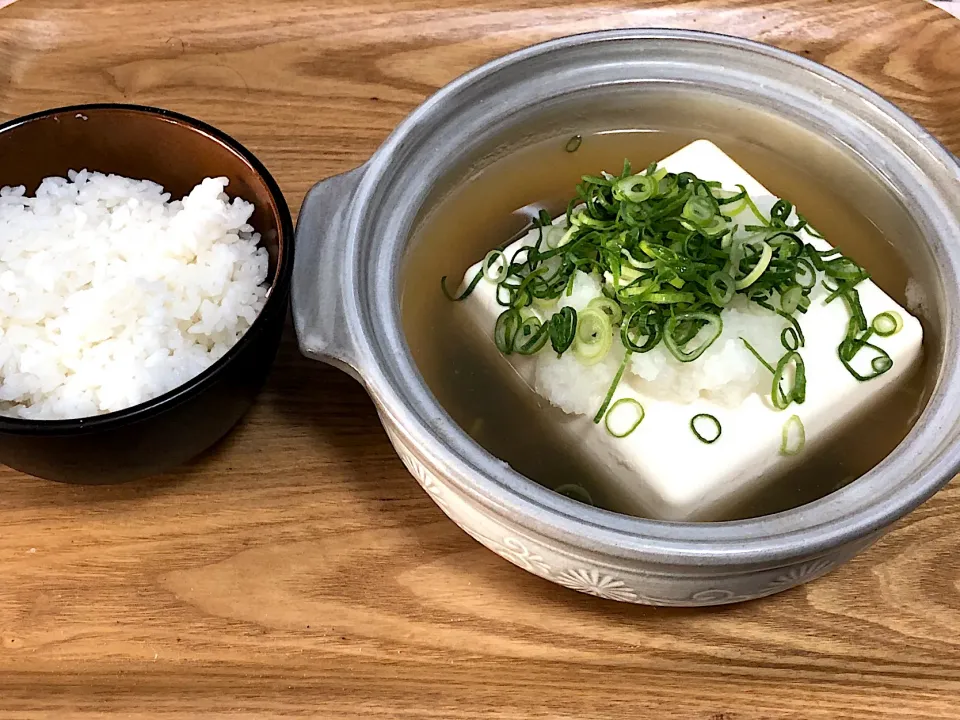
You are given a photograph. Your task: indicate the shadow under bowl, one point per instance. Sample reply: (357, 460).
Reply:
(176, 152)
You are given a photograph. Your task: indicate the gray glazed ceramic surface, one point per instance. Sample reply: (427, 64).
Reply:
(354, 229)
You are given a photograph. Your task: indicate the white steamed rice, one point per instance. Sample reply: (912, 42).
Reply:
(111, 294)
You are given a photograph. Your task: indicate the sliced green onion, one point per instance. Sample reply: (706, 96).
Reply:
(594, 336)
(638, 188)
(844, 289)
(584, 219)
(636, 263)
(790, 340)
(670, 298)
(466, 292)
(680, 350)
(809, 228)
(531, 336)
(842, 268)
(563, 329)
(670, 260)
(753, 207)
(627, 275)
(706, 427)
(633, 412)
(645, 323)
(497, 261)
(805, 274)
(758, 356)
(797, 384)
(613, 388)
(716, 227)
(790, 299)
(609, 307)
(505, 331)
(880, 363)
(575, 492)
(766, 253)
(793, 436)
(573, 144)
(887, 323)
(553, 236)
(567, 236)
(721, 287)
(698, 210)
(543, 304)
(797, 330)
(780, 213)
(731, 203)
(787, 246)
(851, 299)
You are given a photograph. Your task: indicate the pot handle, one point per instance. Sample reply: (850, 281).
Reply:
(317, 295)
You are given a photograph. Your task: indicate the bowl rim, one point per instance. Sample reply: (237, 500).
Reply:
(276, 296)
(471, 470)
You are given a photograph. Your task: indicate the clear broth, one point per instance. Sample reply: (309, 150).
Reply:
(492, 205)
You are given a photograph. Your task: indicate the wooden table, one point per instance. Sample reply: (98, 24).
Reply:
(296, 570)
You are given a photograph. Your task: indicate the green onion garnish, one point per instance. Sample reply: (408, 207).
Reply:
(790, 299)
(573, 144)
(611, 308)
(671, 258)
(721, 288)
(575, 492)
(790, 339)
(792, 370)
(531, 336)
(563, 329)
(636, 188)
(613, 387)
(706, 427)
(887, 323)
(793, 437)
(766, 255)
(505, 331)
(879, 360)
(633, 412)
(496, 261)
(594, 336)
(680, 326)
(467, 290)
(699, 210)
(758, 356)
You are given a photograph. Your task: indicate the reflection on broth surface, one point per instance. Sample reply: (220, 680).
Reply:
(496, 201)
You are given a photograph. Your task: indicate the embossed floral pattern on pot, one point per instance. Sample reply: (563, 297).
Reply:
(427, 479)
(594, 582)
(520, 555)
(800, 574)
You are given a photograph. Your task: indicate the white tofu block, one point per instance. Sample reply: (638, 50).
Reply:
(662, 470)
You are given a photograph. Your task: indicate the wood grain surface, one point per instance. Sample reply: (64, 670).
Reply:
(296, 570)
